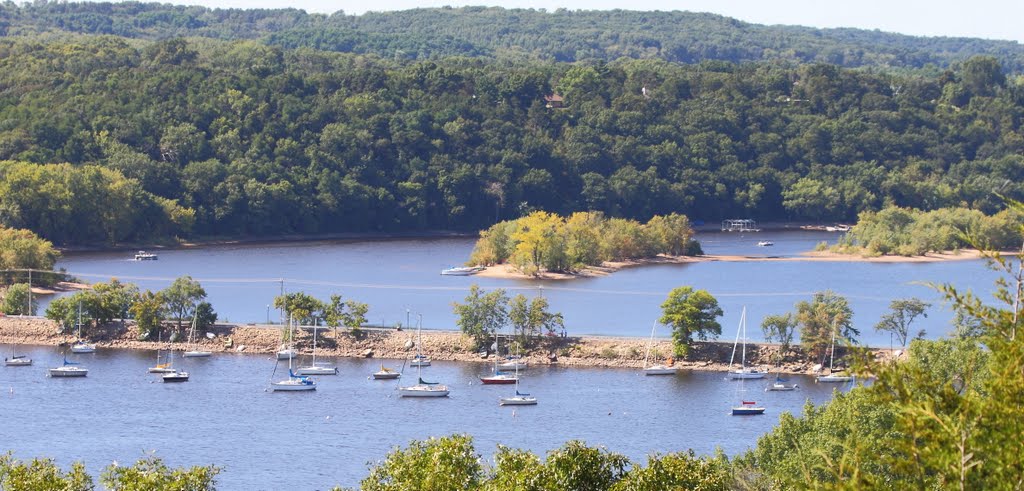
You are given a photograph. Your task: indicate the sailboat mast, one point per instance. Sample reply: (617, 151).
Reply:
(649, 343)
(743, 325)
(832, 355)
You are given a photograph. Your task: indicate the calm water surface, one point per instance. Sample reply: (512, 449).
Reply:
(400, 279)
(266, 440)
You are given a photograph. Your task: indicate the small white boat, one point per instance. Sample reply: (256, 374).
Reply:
(175, 376)
(145, 256)
(747, 408)
(17, 361)
(765, 243)
(520, 399)
(743, 372)
(513, 363)
(420, 361)
(833, 377)
(293, 383)
(69, 369)
(287, 354)
(80, 346)
(195, 352)
(424, 389)
(385, 373)
(781, 385)
(314, 368)
(658, 368)
(462, 271)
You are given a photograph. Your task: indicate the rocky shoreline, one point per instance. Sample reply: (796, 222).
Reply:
(391, 344)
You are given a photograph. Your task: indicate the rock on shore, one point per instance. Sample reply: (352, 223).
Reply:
(587, 351)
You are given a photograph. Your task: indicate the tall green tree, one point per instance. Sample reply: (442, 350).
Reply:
(780, 329)
(482, 314)
(690, 312)
(300, 307)
(901, 315)
(348, 313)
(148, 311)
(181, 298)
(529, 316)
(827, 315)
(16, 300)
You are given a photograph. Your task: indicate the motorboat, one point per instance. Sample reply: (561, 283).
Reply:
(145, 256)
(747, 408)
(462, 271)
(765, 243)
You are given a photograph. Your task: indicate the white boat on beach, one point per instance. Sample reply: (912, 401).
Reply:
(145, 256)
(462, 271)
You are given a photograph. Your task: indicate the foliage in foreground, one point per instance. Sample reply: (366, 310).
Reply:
(147, 474)
(451, 463)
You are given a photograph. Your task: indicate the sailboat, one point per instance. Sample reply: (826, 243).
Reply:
(520, 399)
(385, 373)
(781, 384)
(81, 346)
(16, 360)
(174, 375)
(420, 360)
(160, 367)
(497, 376)
(422, 388)
(657, 368)
(742, 372)
(69, 369)
(831, 377)
(195, 352)
(315, 369)
(294, 382)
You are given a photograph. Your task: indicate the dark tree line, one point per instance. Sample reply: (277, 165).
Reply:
(240, 138)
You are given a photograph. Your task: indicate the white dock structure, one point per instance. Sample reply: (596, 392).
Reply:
(740, 225)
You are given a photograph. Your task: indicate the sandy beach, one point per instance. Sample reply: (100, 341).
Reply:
(391, 345)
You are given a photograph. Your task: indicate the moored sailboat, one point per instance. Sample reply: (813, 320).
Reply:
(16, 360)
(81, 346)
(833, 377)
(195, 352)
(294, 382)
(69, 369)
(422, 388)
(314, 369)
(519, 399)
(657, 368)
(743, 372)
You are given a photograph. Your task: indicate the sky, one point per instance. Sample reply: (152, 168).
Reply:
(988, 19)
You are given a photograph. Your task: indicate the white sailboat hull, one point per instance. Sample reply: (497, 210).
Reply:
(660, 370)
(745, 374)
(780, 387)
(316, 370)
(422, 362)
(834, 378)
(424, 391)
(17, 362)
(83, 348)
(196, 354)
(176, 376)
(68, 372)
(390, 375)
(160, 370)
(518, 401)
(292, 385)
(287, 354)
(512, 365)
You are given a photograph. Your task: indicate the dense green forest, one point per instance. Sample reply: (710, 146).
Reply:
(561, 35)
(240, 138)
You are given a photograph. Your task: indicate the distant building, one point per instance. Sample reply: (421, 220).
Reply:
(554, 101)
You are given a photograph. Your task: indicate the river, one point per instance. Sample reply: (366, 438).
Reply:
(400, 279)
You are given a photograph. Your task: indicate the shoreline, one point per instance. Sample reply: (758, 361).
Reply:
(505, 271)
(391, 345)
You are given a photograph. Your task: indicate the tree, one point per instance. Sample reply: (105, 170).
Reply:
(780, 329)
(348, 313)
(482, 315)
(16, 300)
(16, 475)
(825, 314)
(205, 316)
(680, 470)
(63, 311)
(539, 243)
(690, 312)
(528, 317)
(901, 314)
(299, 306)
(113, 300)
(152, 473)
(148, 311)
(435, 464)
(182, 297)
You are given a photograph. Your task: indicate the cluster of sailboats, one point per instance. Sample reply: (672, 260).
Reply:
(743, 372)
